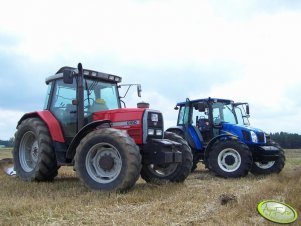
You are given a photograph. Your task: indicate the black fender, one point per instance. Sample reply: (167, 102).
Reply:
(82, 133)
(217, 138)
(178, 130)
(182, 131)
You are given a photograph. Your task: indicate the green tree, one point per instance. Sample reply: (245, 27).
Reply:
(287, 140)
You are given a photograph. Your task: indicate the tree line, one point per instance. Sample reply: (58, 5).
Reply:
(287, 140)
(7, 143)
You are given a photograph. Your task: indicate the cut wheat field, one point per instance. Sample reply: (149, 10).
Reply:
(202, 199)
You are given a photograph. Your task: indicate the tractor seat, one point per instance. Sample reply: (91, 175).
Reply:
(204, 124)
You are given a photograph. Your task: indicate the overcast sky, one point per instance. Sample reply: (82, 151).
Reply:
(241, 50)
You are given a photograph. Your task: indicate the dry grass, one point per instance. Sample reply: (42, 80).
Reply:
(202, 200)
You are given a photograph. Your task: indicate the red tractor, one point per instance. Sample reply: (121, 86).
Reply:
(83, 125)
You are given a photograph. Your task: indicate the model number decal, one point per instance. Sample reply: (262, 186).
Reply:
(126, 123)
(134, 122)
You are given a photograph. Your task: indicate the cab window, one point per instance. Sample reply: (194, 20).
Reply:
(183, 115)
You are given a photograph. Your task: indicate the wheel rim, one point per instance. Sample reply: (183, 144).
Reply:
(265, 165)
(229, 160)
(28, 151)
(103, 163)
(162, 171)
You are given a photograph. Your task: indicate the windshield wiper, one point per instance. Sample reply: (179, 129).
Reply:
(88, 92)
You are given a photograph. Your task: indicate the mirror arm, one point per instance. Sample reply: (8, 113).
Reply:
(129, 86)
(122, 102)
(126, 91)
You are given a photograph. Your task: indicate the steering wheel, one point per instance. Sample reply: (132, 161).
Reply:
(91, 102)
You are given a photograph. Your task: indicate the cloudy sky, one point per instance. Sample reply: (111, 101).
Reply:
(242, 50)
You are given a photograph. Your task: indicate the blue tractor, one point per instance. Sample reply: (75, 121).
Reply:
(220, 136)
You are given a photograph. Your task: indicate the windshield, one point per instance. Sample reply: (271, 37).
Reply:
(223, 112)
(100, 96)
(241, 115)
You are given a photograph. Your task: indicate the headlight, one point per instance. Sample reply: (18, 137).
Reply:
(111, 77)
(151, 132)
(254, 137)
(159, 132)
(154, 117)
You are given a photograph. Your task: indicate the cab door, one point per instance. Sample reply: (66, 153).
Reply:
(63, 107)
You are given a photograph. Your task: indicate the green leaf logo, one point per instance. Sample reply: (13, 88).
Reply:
(277, 212)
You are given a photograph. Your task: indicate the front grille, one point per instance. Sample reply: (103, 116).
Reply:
(158, 124)
(246, 135)
(149, 124)
(260, 137)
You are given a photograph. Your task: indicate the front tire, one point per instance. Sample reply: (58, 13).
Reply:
(108, 159)
(173, 172)
(34, 157)
(264, 168)
(230, 158)
(195, 156)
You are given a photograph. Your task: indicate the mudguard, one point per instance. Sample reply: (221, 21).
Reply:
(51, 122)
(219, 137)
(83, 132)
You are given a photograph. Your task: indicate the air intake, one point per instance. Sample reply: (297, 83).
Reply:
(142, 105)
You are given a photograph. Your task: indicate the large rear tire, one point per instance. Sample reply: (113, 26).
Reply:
(264, 168)
(230, 158)
(34, 157)
(174, 172)
(108, 159)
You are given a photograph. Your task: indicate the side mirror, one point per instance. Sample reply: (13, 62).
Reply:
(201, 106)
(247, 109)
(67, 77)
(139, 90)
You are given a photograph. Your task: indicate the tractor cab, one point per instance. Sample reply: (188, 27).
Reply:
(213, 117)
(100, 93)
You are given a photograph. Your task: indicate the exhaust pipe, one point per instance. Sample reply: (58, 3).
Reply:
(7, 165)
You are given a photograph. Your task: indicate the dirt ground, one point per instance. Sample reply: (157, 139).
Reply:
(203, 199)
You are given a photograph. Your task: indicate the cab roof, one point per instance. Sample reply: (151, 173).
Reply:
(209, 99)
(87, 74)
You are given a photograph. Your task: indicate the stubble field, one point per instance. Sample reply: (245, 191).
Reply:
(202, 199)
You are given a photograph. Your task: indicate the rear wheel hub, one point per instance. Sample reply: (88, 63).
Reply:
(229, 160)
(103, 163)
(29, 152)
(106, 162)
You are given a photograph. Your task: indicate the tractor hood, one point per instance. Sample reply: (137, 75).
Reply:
(247, 134)
(129, 116)
(140, 123)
